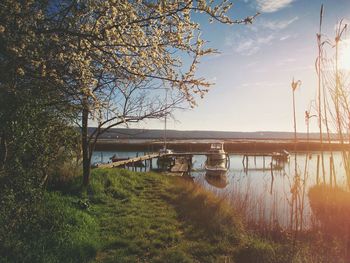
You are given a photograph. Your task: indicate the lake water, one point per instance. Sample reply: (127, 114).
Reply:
(262, 195)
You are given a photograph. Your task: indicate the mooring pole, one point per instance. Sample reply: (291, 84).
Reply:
(246, 163)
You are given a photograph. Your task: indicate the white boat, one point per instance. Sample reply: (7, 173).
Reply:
(166, 160)
(217, 162)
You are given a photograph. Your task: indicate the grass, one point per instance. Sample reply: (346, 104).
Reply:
(125, 216)
(56, 230)
(147, 217)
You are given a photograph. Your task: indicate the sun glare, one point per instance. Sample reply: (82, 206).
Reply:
(344, 55)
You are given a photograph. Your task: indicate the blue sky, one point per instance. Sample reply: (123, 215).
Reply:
(257, 64)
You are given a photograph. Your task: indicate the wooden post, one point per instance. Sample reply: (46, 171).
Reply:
(318, 169)
(150, 163)
(243, 162)
(272, 177)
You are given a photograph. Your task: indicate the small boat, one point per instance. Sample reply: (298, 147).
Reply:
(217, 162)
(166, 161)
(165, 151)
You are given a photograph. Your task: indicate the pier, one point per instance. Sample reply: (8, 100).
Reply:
(131, 161)
(183, 160)
(278, 157)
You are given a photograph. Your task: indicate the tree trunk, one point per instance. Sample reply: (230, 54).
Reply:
(85, 143)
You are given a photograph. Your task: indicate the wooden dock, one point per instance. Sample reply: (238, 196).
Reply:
(279, 157)
(138, 159)
(131, 160)
(183, 161)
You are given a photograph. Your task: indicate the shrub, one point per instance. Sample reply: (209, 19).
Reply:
(54, 229)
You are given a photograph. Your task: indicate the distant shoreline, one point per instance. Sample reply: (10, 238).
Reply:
(231, 145)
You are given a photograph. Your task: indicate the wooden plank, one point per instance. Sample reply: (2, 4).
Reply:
(131, 160)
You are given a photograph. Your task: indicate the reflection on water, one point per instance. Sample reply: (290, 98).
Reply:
(278, 195)
(261, 194)
(219, 181)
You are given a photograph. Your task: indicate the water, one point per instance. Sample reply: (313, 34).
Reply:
(258, 194)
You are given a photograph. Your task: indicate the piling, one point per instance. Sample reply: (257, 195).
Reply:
(272, 177)
(246, 163)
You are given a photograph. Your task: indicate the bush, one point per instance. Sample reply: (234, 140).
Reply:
(53, 230)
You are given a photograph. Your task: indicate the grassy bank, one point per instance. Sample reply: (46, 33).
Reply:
(150, 218)
(143, 217)
(55, 230)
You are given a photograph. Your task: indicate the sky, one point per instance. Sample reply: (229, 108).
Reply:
(257, 63)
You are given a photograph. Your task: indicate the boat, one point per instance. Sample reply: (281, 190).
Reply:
(165, 161)
(218, 161)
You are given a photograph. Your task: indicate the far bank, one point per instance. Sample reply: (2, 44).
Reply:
(230, 145)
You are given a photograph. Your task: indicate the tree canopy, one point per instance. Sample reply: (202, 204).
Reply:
(102, 59)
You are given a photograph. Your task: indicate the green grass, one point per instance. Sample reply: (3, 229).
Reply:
(125, 216)
(55, 230)
(147, 217)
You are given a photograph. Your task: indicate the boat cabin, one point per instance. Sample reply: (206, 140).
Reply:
(216, 147)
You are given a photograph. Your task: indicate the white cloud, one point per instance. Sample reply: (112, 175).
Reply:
(285, 37)
(269, 6)
(244, 45)
(265, 40)
(279, 24)
(250, 46)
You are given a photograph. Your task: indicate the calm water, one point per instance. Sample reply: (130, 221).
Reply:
(258, 193)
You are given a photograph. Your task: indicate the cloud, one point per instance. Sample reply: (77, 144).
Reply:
(285, 37)
(261, 84)
(265, 40)
(279, 24)
(269, 6)
(250, 46)
(262, 33)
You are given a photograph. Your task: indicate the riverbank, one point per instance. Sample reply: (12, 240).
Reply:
(125, 216)
(152, 218)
